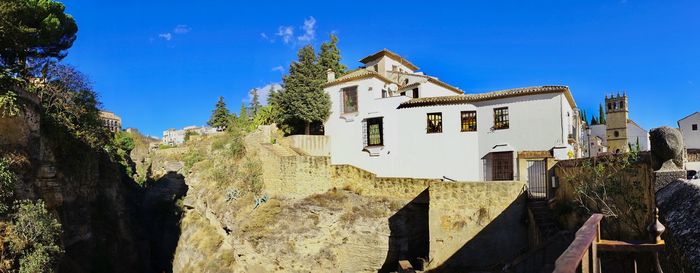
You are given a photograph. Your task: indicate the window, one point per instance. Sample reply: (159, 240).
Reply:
(609, 106)
(349, 97)
(376, 68)
(405, 82)
(500, 118)
(695, 127)
(434, 123)
(415, 93)
(468, 121)
(384, 93)
(394, 68)
(617, 134)
(375, 132)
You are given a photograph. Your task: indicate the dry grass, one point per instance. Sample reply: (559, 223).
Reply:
(260, 220)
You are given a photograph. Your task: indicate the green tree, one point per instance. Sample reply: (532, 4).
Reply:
(69, 101)
(601, 114)
(243, 120)
(33, 33)
(255, 102)
(303, 101)
(34, 237)
(220, 116)
(329, 57)
(594, 121)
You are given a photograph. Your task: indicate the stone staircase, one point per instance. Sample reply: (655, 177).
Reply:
(544, 220)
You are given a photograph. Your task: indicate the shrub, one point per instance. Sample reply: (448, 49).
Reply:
(192, 157)
(34, 237)
(252, 176)
(7, 186)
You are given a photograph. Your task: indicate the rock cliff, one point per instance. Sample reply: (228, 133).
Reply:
(84, 188)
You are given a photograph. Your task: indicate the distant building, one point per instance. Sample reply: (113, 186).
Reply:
(111, 121)
(619, 132)
(689, 129)
(176, 137)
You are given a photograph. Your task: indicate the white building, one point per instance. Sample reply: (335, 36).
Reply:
(689, 129)
(176, 137)
(393, 121)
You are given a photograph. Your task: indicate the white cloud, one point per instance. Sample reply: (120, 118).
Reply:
(309, 30)
(166, 36)
(286, 32)
(182, 29)
(278, 68)
(264, 92)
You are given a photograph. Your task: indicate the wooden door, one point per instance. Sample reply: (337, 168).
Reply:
(502, 166)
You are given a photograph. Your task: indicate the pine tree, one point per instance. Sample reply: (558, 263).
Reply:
(255, 102)
(243, 113)
(220, 116)
(329, 58)
(601, 114)
(584, 116)
(594, 121)
(303, 101)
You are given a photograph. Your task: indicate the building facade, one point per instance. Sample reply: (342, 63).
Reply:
(391, 120)
(111, 121)
(690, 131)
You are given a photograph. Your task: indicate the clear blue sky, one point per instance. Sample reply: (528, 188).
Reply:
(162, 64)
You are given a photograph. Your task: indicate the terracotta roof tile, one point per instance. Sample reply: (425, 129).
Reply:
(467, 98)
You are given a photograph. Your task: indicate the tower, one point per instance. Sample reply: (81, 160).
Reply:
(616, 113)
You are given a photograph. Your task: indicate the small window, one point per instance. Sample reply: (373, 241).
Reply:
(468, 121)
(384, 93)
(434, 123)
(375, 132)
(415, 93)
(376, 67)
(500, 118)
(349, 96)
(695, 127)
(405, 82)
(394, 68)
(617, 134)
(609, 106)
(403, 93)
(622, 105)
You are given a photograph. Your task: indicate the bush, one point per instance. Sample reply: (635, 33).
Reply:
(34, 238)
(192, 157)
(7, 186)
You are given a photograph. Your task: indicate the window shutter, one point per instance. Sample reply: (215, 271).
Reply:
(364, 133)
(342, 102)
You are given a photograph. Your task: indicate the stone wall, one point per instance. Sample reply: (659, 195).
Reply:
(310, 145)
(638, 181)
(472, 225)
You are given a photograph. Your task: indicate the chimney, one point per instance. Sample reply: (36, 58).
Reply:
(330, 75)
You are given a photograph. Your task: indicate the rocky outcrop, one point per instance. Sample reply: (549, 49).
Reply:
(83, 187)
(680, 213)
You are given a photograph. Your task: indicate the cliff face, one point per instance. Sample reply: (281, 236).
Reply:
(83, 188)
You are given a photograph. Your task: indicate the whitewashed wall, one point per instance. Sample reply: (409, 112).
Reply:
(635, 133)
(690, 138)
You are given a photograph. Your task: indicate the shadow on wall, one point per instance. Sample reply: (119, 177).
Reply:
(498, 243)
(410, 237)
(161, 217)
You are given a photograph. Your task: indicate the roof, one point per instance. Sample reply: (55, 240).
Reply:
(357, 74)
(635, 124)
(688, 116)
(430, 80)
(388, 53)
(467, 98)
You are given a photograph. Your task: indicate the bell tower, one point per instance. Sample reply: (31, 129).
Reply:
(616, 113)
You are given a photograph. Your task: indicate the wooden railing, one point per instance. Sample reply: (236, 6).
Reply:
(583, 250)
(582, 255)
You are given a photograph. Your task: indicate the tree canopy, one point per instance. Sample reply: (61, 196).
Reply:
(303, 101)
(220, 116)
(32, 33)
(255, 102)
(329, 57)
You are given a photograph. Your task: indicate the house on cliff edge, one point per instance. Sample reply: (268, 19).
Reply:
(392, 120)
